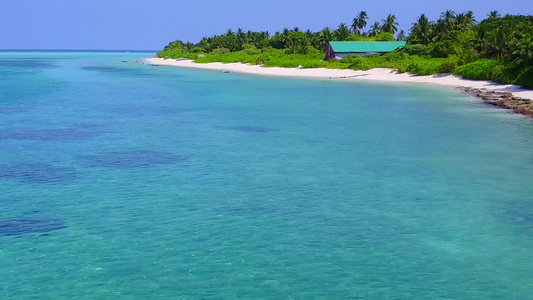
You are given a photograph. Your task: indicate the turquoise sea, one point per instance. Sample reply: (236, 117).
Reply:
(120, 180)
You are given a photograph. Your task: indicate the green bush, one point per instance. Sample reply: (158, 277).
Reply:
(197, 50)
(480, 69)
(384, 37)
(220, 50)
(417, 49)
(250, 49)
(525, 79)
(173, 54)
(504, 73)
(440, 49)
(427, 66)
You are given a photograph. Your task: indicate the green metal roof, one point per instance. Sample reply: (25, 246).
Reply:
(343, 47)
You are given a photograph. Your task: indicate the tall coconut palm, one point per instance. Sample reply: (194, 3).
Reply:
(421, 30)
(359, 22)
(401, 36)
(523, 55)
(448, 17)
(496, 44)
(390, 24)
(375, 29)
(285, 37)
(470, 16)
(462, 22)
(493, 14)
(342, 33)
(324, 37)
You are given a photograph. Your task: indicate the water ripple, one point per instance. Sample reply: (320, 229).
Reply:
(27, 226)
(37, 173)
(132, 159)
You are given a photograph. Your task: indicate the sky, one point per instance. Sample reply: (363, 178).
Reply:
(150, 25)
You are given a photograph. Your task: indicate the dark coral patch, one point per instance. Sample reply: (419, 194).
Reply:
(46, 135)
(28, 63)
(27, 226)
(10, 110)
(37, 173)
(256, 129)
(519, 214)
(132, 159)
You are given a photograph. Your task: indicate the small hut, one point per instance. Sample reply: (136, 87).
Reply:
(339, 50)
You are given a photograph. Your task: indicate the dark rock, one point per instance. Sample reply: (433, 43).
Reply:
(503, 100)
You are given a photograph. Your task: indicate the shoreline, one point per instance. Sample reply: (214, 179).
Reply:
(502, 95)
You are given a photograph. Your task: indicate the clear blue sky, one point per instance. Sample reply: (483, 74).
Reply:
(150, 25)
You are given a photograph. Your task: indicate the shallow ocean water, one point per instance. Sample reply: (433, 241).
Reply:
(173, 183)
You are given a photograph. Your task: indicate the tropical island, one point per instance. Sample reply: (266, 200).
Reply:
(497, 48)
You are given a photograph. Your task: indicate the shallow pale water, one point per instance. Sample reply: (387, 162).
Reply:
(131, 181)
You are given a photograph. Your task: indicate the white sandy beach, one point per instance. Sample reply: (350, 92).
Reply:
(378, 74)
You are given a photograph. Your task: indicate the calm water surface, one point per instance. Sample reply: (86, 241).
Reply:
(128, 181)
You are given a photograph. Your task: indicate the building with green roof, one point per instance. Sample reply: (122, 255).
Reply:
(339, 50)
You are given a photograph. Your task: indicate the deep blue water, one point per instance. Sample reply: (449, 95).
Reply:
(128, 181)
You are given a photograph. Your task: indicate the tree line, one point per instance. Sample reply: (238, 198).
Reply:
(501, 46)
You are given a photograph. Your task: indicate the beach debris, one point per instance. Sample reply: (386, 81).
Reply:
(200, 55)
(260, 63)
(37, 173)
(502, 99)
(132, 159)
(181, 58)
(27, 226)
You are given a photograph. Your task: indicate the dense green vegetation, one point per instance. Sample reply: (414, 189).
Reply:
(496, 48)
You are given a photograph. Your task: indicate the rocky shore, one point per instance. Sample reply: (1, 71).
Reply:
(502, 99)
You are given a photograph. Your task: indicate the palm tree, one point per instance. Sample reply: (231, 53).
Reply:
(523, 55)
(401, 36)
(359, 22)
(421, 31)
(493, 14)
(374, 29)
(342, 33)
(439, 30)
(324, 37)
(389, 24)
(496, 44)
(285, 37)
(448, 17)
(470, 16)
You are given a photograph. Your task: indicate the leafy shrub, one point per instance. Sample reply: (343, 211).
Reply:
(250, 49)
(427, 66)
(440, 49)
(525, 79)
(197, 50)
(173, 54)
(384, 37)
(504, 73)
(220, 50)
(417, 49)
(480, 69)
